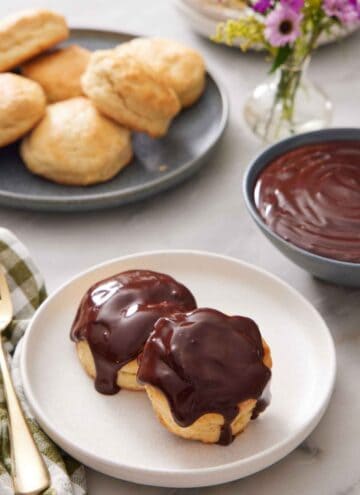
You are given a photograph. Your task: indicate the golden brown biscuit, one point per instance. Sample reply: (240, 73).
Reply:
(28, 33)
(22, 104)
(115, 318)
(126, 376)
(75, 145)
(207, 428)
(59, 72)
(180, 67)
(206, 374)
(128, 91)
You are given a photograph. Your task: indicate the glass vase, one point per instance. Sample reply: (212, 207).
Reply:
(287, 103)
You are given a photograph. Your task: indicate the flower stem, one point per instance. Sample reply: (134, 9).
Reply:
(290, 78)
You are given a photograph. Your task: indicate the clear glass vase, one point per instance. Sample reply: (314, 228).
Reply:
(287, 103)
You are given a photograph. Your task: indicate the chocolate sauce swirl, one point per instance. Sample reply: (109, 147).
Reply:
(310, 196)
(117, 315)
(205, 362)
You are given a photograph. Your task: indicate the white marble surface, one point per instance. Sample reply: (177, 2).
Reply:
(208, 213)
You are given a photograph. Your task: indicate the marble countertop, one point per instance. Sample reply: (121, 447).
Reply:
(208, 213)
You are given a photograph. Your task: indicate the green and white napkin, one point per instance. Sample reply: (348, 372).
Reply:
(28, 292)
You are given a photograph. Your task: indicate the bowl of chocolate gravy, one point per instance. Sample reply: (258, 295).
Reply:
(304, 195)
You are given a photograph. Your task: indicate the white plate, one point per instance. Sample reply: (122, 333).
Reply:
(120, 436)
(204, 18)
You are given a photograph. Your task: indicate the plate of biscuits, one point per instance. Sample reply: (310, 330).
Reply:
(177, 368)
(92, 119)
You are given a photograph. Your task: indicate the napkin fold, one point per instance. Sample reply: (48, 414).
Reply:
(28, 292)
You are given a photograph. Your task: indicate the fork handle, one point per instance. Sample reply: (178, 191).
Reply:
(29, 472)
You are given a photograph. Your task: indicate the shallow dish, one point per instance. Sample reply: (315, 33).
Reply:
(120, 436)
(340, 272)
(158, 164)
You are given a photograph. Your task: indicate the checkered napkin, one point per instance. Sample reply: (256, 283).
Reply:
(27, 293)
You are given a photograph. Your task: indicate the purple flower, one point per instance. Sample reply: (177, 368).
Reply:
(296, 5)
(262, 6)
(347, 11)
(356, 5)
(282, 25)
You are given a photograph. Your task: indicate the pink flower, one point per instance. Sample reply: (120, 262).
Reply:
(346, 11)
(296, 5)
(262, 6)
(282, 25)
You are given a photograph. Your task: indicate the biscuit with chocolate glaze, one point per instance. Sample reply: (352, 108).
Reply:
(126, 375)
(206, 374)
(114, 319)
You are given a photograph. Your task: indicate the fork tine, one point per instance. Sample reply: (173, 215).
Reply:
(6, 309)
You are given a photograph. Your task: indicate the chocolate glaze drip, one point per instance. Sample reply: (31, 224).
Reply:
(260, 407)
(117, 315)
(205, 362)
(310, 197)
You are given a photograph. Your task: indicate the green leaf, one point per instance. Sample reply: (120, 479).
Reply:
(281, 57)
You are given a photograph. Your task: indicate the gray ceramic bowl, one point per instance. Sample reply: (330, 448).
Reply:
(339, 272)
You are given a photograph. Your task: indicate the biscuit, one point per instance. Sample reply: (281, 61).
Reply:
(22, 104)
(126, 376)
(180, 67)
(206, 374)
(207, 428)
(59, 72)
(128, 91)
(115, 318)
(28, 33)
(75, 145)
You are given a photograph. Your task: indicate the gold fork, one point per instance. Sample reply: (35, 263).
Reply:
(29, 472)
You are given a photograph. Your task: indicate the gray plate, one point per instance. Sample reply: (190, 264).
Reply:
(157, 164)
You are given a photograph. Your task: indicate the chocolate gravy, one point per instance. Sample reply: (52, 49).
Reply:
(310, 196)
(206, 362)
(117, 315)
